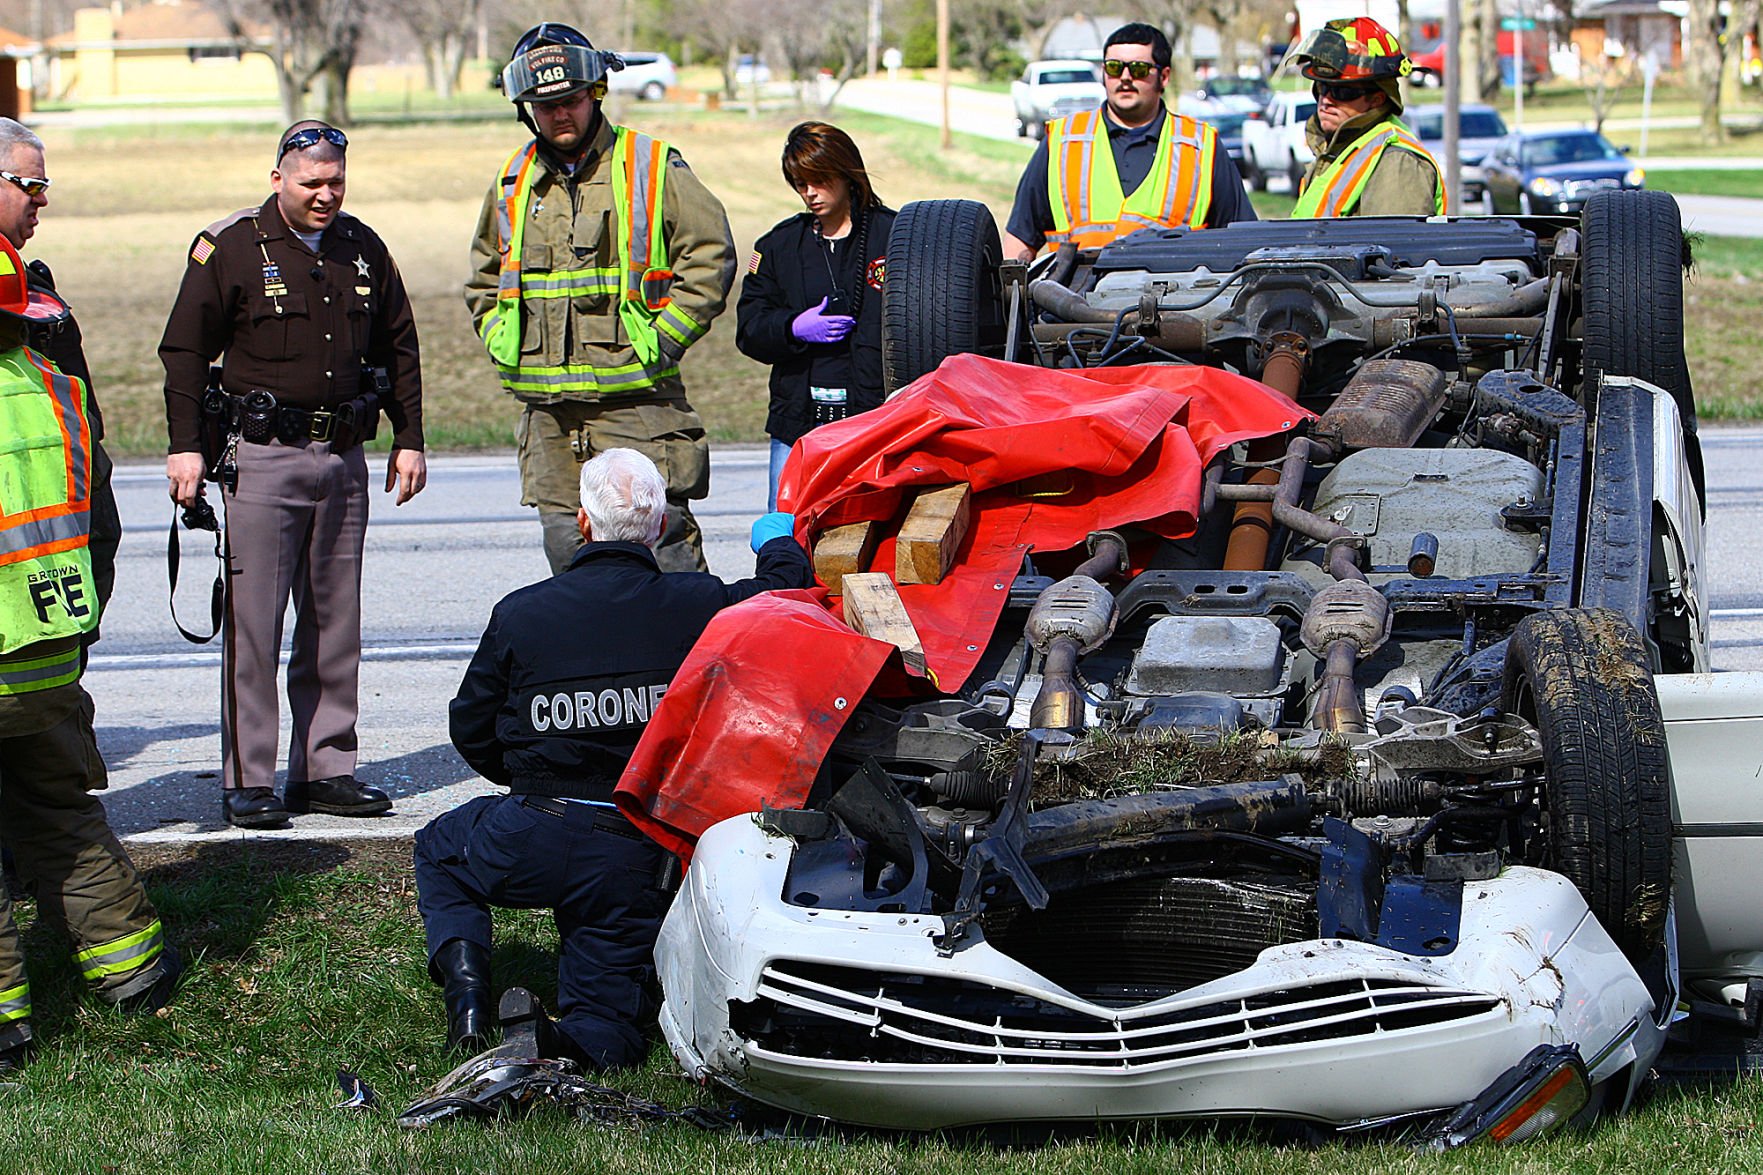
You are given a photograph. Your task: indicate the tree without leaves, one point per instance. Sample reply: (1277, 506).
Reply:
(1707, 53)
(443, 30)
(311, 39)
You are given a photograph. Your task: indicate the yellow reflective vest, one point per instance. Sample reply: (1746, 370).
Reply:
(640, 281)
(47, 598)
(1335, 191)
(1084, 186)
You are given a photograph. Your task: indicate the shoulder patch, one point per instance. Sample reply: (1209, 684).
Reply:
(876, 273)
(226, 222)
(753, 262)
(203, 249)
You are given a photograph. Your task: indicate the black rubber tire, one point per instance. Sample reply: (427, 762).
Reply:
(1582, 677)
(1632, 294)
(1252, 175)
(1295, 173)
(654, 92)
(940, 297)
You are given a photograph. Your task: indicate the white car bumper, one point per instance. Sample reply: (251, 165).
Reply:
(888, 1032)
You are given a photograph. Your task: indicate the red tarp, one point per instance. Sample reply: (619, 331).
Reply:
(1051, 456)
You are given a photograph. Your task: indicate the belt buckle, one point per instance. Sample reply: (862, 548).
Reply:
(321, 426)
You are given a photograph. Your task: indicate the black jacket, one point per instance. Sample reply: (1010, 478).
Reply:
(569, 669)
(773, 294)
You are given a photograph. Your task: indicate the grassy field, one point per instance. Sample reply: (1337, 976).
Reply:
(308, 958)
(117, 241)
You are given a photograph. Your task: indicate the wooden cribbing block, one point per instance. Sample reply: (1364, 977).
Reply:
(873, 608)
(842, 551)
(934, 527)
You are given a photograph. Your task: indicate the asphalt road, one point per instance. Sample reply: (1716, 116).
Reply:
(434, 568)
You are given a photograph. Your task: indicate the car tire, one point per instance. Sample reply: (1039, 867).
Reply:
(1582, 677)
(1021, 129)
(940, 297)
(652, 92)
(1632, 295)
(1524, 208)
(1295, 173)
(1252, 175)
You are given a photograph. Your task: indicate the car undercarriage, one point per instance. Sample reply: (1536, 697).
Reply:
(1353, 805)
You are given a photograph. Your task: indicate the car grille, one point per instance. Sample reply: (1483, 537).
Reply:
(849, 1014)
(1582, 189)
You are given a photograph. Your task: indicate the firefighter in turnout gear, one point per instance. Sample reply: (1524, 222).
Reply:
(49, 760)
(599, 259)
(1367, 162)
(564, 681)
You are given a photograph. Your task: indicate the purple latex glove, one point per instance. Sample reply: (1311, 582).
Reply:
(811, 326)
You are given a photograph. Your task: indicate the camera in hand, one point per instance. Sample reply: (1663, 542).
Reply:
(199, 515)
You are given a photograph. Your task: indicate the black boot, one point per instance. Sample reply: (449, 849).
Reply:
(463, 970)
(528, 1029)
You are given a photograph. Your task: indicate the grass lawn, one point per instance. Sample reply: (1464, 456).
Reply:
(304, 959)
(1738, 182)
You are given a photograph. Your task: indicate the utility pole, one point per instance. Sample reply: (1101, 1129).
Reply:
(1453, 100)
(943, 66)
(874, 47)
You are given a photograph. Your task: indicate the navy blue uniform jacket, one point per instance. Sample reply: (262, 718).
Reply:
(570, 669)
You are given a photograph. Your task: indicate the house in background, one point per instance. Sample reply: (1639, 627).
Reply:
(16, 52)
(166, 50)
(1632, 29)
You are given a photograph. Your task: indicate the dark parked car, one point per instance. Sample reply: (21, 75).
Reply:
(1479, 130)
(1554, 172)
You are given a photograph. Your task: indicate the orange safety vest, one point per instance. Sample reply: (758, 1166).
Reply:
(1084, 185)
(1336, 190)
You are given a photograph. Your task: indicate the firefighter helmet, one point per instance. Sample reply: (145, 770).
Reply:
(1355, 49)
(553, 61)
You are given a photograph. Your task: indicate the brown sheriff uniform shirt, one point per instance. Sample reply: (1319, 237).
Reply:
(291, 322)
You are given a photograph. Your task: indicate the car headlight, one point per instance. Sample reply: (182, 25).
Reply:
(1545, 187)
(1636, 177)
(1539, 1094)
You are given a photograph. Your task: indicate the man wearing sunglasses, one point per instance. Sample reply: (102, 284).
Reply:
(24, 193)
(599, 258)
(1160, 169)
(301, 303)
(1367, 162)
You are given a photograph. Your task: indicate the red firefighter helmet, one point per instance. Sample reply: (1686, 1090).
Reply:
(1351, 49)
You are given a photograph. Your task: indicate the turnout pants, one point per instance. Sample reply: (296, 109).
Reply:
(555, 439)
(294, 529)
(66, 853)
(597, 875)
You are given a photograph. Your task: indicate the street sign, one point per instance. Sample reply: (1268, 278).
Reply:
(1513, 24)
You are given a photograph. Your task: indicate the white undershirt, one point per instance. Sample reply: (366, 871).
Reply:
(311, 239)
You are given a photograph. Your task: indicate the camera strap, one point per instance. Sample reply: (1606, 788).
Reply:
(173, 556)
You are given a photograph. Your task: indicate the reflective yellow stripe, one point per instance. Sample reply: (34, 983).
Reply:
(15, 1003)
(575, 377)
(40, 673)
(129, 953)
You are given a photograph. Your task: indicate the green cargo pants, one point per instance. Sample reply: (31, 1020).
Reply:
(66, 854)
(555, 439)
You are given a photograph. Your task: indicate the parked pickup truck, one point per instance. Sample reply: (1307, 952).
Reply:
(1045, 82)
(1274, 144)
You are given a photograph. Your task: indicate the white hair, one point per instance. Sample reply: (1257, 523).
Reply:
(14, 134)
(625, 497)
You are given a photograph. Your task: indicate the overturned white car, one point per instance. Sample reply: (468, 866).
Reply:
(1353, 807)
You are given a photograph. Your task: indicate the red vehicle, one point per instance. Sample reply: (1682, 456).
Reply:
(1429, 67)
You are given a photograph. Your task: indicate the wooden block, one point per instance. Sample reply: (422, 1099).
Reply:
(933, 529)
(842, 551)
(873, 608)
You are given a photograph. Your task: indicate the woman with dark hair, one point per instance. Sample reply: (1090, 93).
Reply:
(811, 302)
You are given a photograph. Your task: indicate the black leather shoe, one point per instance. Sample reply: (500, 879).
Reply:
(527, 1029)
(339, 795)
(149, 992)
(16, 1045)
(252, 807)
(463, 969)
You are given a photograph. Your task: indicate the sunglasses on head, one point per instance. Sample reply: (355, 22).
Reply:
(30, 185)
(1140, 70)
(300, 140)
(1338, 92)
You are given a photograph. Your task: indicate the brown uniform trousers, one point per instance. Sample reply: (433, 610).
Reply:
(295, 528)
(66, 853)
